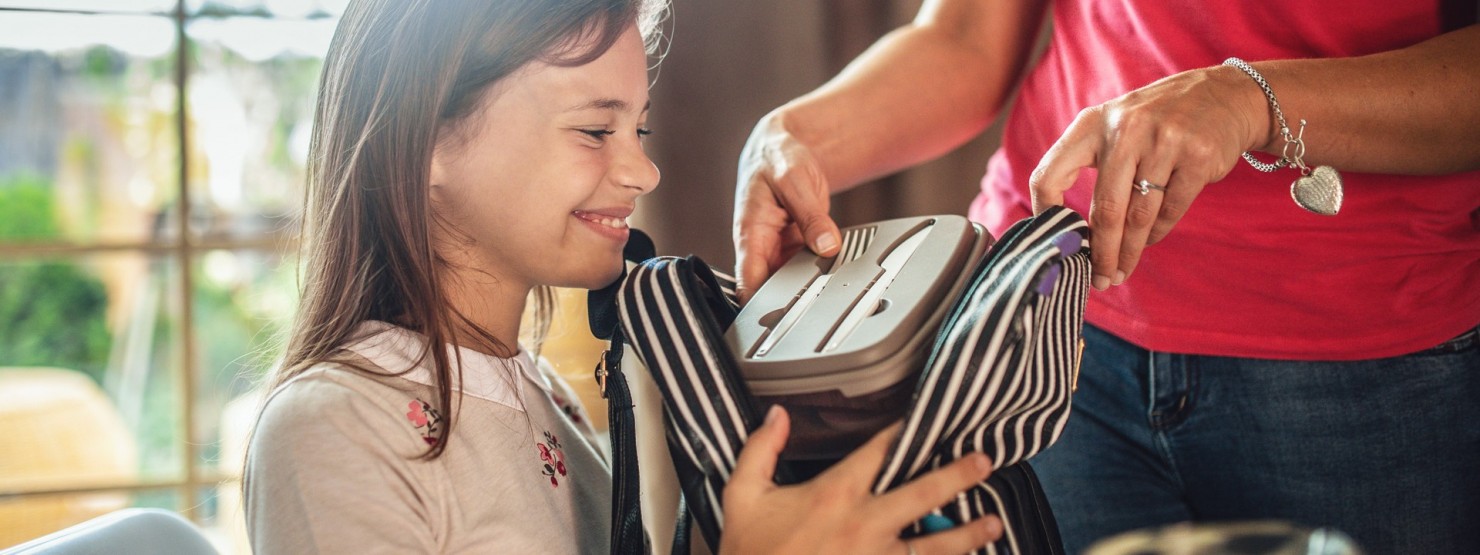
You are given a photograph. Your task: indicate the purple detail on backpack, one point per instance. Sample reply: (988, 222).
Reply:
(1050, 277)
(1069, 242)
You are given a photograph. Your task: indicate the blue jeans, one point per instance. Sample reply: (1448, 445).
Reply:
(1387, 451)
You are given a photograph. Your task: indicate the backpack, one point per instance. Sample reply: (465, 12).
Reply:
(996, 379)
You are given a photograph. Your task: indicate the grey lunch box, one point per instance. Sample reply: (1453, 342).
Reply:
(839, 341)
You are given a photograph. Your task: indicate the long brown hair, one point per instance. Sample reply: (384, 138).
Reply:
(400, 75)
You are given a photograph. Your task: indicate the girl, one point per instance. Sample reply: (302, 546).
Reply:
(468, 155)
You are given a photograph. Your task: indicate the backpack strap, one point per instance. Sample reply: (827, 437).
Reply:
(673, 312)
(628, 537)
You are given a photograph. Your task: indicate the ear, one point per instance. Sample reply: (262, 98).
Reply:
(437, 174)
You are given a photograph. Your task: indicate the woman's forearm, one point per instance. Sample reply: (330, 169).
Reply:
(919, 92)
(1414, 110)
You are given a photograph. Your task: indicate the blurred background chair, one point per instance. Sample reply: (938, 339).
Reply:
(1270, 537)
(59, 430)
(125, 532)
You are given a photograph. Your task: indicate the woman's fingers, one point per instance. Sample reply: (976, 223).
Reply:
(757, 247)
(1111, 202)
(961, 539)
(1149, 189)
(781, 201)
(911, 501)
(1175, 134)
(1059, 167)
(803, 192)
(1182, 188)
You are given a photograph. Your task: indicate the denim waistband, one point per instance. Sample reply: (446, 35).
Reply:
(1459, 343)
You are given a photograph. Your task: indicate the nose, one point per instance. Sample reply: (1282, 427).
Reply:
(634, 170)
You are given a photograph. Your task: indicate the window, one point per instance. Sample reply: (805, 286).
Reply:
(152, 158)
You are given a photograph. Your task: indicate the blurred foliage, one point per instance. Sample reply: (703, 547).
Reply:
(26, 211)
(51, 313)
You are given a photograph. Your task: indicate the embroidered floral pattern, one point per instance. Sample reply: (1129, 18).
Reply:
(426, 419)
(553, 456)
(570, 409)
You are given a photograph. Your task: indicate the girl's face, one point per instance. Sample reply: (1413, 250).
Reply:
(538, 184)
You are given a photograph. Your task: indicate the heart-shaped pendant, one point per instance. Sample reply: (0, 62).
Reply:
(1319, 192)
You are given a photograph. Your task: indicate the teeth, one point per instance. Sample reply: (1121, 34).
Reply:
(614, 223)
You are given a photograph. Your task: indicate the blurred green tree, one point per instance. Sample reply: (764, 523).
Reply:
(52, 313)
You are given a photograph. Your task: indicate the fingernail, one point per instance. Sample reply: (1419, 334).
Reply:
(825, 242)
(771, 414)
(983, 464)
(1101, 283)
(1119, 277)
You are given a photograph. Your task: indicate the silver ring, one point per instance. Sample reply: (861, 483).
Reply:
(1146, 187)
(910, 547)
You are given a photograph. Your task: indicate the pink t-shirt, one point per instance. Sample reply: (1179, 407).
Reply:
(1247, 272)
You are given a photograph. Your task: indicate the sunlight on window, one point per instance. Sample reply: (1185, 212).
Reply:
(101, 297)
(141, 6)
(280, 8)
(132, 35)
(245, 36)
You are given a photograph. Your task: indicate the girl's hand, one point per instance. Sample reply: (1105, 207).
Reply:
(1180, 133)
(781, 203)
(836, 512)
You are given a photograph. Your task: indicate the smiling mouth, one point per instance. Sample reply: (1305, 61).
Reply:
(607, 221)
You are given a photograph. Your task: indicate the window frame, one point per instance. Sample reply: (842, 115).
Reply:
(183, 248)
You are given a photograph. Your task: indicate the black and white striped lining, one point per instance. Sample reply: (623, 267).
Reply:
(672, 310)
(997, 381)
(1000, 376)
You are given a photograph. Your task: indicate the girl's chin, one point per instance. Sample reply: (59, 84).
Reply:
(599, 278)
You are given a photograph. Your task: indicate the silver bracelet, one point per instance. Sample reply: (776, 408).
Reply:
(1317, 190)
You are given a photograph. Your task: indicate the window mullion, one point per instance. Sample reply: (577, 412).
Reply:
(184, 255)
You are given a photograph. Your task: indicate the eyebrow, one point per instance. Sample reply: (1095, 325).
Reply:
(607, 104)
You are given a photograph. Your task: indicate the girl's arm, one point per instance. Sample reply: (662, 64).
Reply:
(321, 476)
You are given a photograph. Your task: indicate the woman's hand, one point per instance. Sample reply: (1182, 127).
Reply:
(836, 512)
(781, 198)
(1178, 134)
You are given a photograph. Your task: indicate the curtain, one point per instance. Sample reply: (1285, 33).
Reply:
(729, 64)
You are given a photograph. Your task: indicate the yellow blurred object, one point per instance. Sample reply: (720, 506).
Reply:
(58, 430)
(237, 419)
(573, 351)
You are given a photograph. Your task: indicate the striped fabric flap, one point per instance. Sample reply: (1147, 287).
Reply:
(672, 311)
(1002, 370)
(997, 381)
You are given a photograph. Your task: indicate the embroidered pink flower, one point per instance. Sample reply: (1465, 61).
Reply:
(570, 409)
(423, 417)
(417, 415)
(553, 457)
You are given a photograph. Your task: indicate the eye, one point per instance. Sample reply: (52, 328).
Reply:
(599, 134)
(643, 132)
